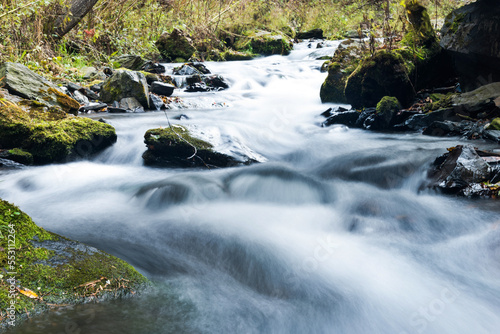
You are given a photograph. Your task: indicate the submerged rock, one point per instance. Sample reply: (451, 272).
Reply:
(53, 270)
(124, 84)
(175, 147)
(20, 80)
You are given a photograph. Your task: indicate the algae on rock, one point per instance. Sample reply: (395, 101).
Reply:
(50, 270)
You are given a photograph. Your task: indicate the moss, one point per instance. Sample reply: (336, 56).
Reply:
(454, 22)
(54, 268)
(439, 101)
(231, 55)
(263, 42)
(67, 103)
(494, 125)
(170, 136)
(51, 137)
(19, 155)
(388, 104)
(332, 90)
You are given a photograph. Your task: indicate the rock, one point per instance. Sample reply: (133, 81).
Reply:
(381, 120)
(175, 147)
(332, 90)
(17, 155)
(264, 42)
(355, 34)
(156, 102)
(447, 128)
(483, 102)
(175, 46)
(97, 87)
(52, 135)
(150, 77)
(80, 98)
(384, 74)
(363, 116)
(493, 135)
(20, 80)
(131, 103)
(420, 121)
(93, 106)
(198, 83)
(459, 169)
(197, 87)
(131, 62)
(494, 125)
(347, 118)
(123, 84)
(154, 68)
(73, 86)
(471, 34)
(314, 33)
(116, 110)
(231, 55)
(191, 69)
(89, 93)
(161, 88)
(59, 269)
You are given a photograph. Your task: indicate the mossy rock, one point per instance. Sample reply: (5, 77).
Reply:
(264, 43)
(421, 27)
(384, 74)
(18, 155)
(131, 62)
(175, 147)
(21, 81)
(332, 90)
(175, 46)
(50, 270)
(124, 83)
(494, 125)
(231, 55)
(51, 136)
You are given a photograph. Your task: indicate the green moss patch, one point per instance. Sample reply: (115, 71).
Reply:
(41, 270)
(51, 136)
(494, 125)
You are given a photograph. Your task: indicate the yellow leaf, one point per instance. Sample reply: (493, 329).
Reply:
(27, 292)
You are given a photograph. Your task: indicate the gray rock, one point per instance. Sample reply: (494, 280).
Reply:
(80, 98)
(132, 62)
(123, 84)
(420, 121)
(20, 80)
(131, 103)
(156, 102)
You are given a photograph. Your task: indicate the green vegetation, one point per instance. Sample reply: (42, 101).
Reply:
(49, 270)
(116, 27)
(388, 104)
(494, 125)
(51, 135)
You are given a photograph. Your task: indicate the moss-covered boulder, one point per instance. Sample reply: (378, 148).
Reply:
(176, 46)
(387, 109)
(20, 80)
(176, 147)
(494, 125)
(384, 74)
(123, 84)
(332, 90)
(51, 135)
(231, 55)
(264, 43)
(42, 269)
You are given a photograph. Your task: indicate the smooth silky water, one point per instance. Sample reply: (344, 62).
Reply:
(331, 233)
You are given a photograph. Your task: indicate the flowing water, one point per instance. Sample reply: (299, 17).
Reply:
(329, 234)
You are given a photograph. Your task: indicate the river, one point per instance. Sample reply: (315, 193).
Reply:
(331, 233)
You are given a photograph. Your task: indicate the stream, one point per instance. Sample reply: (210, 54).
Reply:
(331, 233)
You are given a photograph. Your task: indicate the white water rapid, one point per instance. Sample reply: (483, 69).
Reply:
(329, 234)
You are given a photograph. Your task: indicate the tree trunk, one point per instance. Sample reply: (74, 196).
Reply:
(69, 16)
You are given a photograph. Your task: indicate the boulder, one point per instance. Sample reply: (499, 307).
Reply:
(123, 84)
(481, 103)
(174, 146)
(347, 118)
(93, 106)
(386, 109)
(131, 62)
(232, 55)
(161, 88)
(314, 33)
(54, 270)
(191, 69)
(420, 121)
(17, 155)
(131, 104)
(384, 74)
(471, 35)
(459, 169)
(20, 80)
(176, 46)
(332, 90)
(197, 83)
(264, 43)
(52, 135)
(156, 102)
